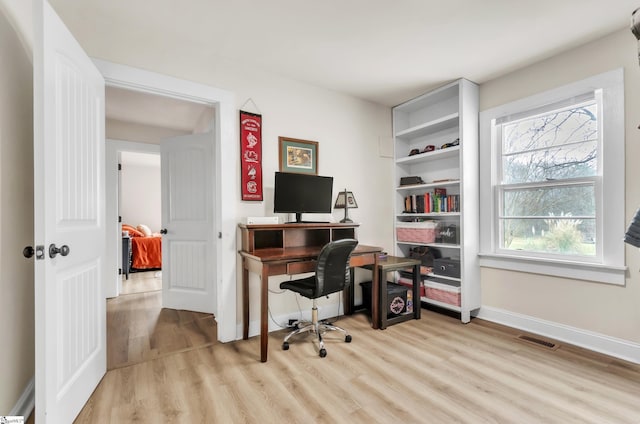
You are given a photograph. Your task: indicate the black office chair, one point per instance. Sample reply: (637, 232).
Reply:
(332, 275)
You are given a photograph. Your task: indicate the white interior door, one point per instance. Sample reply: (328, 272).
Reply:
(188, 257)
(70, 325)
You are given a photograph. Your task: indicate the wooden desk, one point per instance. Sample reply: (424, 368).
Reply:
(291, 249)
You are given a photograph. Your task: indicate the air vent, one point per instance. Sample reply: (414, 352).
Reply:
(539, 342)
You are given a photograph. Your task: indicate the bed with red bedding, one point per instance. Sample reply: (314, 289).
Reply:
(146, 250)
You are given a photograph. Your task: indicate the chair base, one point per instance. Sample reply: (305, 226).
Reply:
(318, 328)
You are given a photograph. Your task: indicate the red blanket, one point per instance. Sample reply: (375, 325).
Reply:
(146, 252)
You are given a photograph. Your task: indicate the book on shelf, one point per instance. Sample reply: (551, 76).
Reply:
(432, 202)
(419, 204)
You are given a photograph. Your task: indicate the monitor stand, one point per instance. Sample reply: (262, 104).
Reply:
(300, 221)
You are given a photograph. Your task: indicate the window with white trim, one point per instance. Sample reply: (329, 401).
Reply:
(552, 201)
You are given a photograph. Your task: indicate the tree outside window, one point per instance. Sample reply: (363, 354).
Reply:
(549, 168)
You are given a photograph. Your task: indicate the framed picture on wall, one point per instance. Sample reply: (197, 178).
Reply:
(299, 156)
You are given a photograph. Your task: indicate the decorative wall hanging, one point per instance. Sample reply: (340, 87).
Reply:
(300, 156)
(251, 155)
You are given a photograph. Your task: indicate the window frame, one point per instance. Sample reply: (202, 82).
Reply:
(608, 265)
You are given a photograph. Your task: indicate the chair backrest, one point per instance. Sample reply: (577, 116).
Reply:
(332, 271)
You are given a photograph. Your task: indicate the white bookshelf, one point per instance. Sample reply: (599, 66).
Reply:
(435, 118)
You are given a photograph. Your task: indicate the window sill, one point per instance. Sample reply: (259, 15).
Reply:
(575, 270)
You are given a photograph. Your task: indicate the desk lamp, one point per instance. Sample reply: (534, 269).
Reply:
(345, 201)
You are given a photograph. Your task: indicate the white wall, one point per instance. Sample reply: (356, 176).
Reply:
(140, 193)
(607, 310)
(16, 217)
(349, 132)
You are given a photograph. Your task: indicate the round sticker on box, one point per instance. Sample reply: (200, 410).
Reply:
(396, 305)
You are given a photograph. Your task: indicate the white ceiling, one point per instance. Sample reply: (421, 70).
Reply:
(380, 50)
(153, 110)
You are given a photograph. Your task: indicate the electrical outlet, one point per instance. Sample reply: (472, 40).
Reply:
(291, 322)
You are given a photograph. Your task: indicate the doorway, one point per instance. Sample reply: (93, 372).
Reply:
(139, 208)
(138, 327)
(227, 194)
(135, 124)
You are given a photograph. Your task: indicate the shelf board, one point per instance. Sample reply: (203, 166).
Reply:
(429, 185)
(429, 156)
(431, 127)
(439, 245)
(425, 215)
(444, 277)
(440, 304)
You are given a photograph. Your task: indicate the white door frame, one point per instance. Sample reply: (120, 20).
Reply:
(113, 244)
(226, 170)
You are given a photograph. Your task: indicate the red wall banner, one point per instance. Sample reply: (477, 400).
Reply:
(251, 155)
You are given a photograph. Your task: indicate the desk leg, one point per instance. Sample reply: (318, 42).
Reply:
(245, 300)
(349, 297)
(375, 295)
(382, 289)
(264, 313)
(416, 292)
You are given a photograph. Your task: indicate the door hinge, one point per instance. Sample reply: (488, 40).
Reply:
(119, 167)
(119, 271)
(220, 235)
(119, 218)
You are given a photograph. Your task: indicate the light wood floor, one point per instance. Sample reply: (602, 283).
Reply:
(142, 282)
(435, 370)
(139, 329)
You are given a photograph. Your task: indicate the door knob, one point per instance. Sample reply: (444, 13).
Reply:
(163, 231)
(53, 250)
(28, 251)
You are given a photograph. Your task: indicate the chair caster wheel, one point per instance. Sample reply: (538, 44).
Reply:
(347, 338)
(323, 353)
(285, 346)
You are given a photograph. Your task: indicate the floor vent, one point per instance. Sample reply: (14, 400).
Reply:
(538, 342)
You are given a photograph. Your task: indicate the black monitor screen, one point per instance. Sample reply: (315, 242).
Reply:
(302, 193)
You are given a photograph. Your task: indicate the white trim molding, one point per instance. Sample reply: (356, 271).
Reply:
(607, 265)
(26, 403)
(618, 348)
(227, 167)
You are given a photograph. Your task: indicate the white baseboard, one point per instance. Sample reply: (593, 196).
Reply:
(279, 322)
(27, 401)
(618, 348)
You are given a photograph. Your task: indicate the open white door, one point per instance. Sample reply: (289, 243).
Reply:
(70, 330)
(188, 256)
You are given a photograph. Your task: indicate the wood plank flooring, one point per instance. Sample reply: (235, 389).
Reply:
(139, 329)
(435, 370)
(141, 282)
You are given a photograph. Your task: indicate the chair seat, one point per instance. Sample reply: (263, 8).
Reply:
(305, 286)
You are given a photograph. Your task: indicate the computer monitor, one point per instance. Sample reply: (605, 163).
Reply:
(302, 193)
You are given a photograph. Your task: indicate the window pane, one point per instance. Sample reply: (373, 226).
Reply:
(576, 124)
(556, 145)
(575, 200)
(561, 235)
(542, 220)
(557, 163)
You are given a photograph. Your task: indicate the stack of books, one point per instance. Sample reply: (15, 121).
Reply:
(432, 202)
